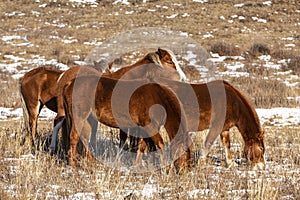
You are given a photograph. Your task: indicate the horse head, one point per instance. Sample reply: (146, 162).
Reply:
(254, 151)
(168, 60)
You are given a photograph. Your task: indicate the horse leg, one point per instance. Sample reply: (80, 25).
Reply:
(33, 113)
(123, 138)
(157, 139)
(74, 139)
(225, 137)
(85, 136)
(93, 138)
(56, 128)
(141, 150)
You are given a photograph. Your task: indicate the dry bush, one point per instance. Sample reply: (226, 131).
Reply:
(191, 72)
(292, 57)
(294, 65)
(258, 49)
(264, 93)
(9, 91)
(225, 49)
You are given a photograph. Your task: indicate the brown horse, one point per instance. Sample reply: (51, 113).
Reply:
(102, 97)
(160, 64)
(38, 87)
(218, 106)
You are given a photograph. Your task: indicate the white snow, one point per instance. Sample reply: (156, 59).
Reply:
(121, 2)
(239, 5)
(279, 116)
(200, 1)
(17, 114)
(84, 1)
(172, 16)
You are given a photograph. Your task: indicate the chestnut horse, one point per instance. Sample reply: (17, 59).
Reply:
(219, 106)
(38, 87)
(161, 63)
(101, 97)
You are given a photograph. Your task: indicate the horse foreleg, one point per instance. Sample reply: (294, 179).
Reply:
(54, 134)
(93, 138)
(123, 137)
(141, 150)
(157, 139)
(225, 137)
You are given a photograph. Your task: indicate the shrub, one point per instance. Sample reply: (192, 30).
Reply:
(225, 49)
(258, 49)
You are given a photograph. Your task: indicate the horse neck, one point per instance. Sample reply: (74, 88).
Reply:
(247, 121)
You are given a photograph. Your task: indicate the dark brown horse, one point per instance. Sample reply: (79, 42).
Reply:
(103, 98)
(218, 106)
(39, 86)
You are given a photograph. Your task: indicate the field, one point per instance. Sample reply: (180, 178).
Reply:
(253, 45)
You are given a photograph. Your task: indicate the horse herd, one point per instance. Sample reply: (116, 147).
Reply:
(144, 96)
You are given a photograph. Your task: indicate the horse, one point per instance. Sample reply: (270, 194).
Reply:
(218, 106)
(102, 97)
(38, 87)
(161, 63)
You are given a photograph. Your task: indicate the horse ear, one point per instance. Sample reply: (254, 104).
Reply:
(155, 59)
(161, 52)
(100, 65)
(108, 69)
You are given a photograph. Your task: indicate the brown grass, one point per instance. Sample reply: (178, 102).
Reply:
(225, 49)
(44, 175)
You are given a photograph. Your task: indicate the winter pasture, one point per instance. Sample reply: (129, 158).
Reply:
(254, 45)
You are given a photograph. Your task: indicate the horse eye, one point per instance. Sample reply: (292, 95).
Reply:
(170, 62)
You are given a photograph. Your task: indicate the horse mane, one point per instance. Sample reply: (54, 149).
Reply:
(248, 104)
(178, 68)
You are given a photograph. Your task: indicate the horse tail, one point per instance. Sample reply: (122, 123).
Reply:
(67, 125)
(24, 105)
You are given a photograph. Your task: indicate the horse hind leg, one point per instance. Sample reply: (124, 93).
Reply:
(225, 138)
(33, 118)
(85, 136)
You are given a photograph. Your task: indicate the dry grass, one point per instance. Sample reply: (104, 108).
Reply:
(45, 28)
(225, 49)
(44, 176)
